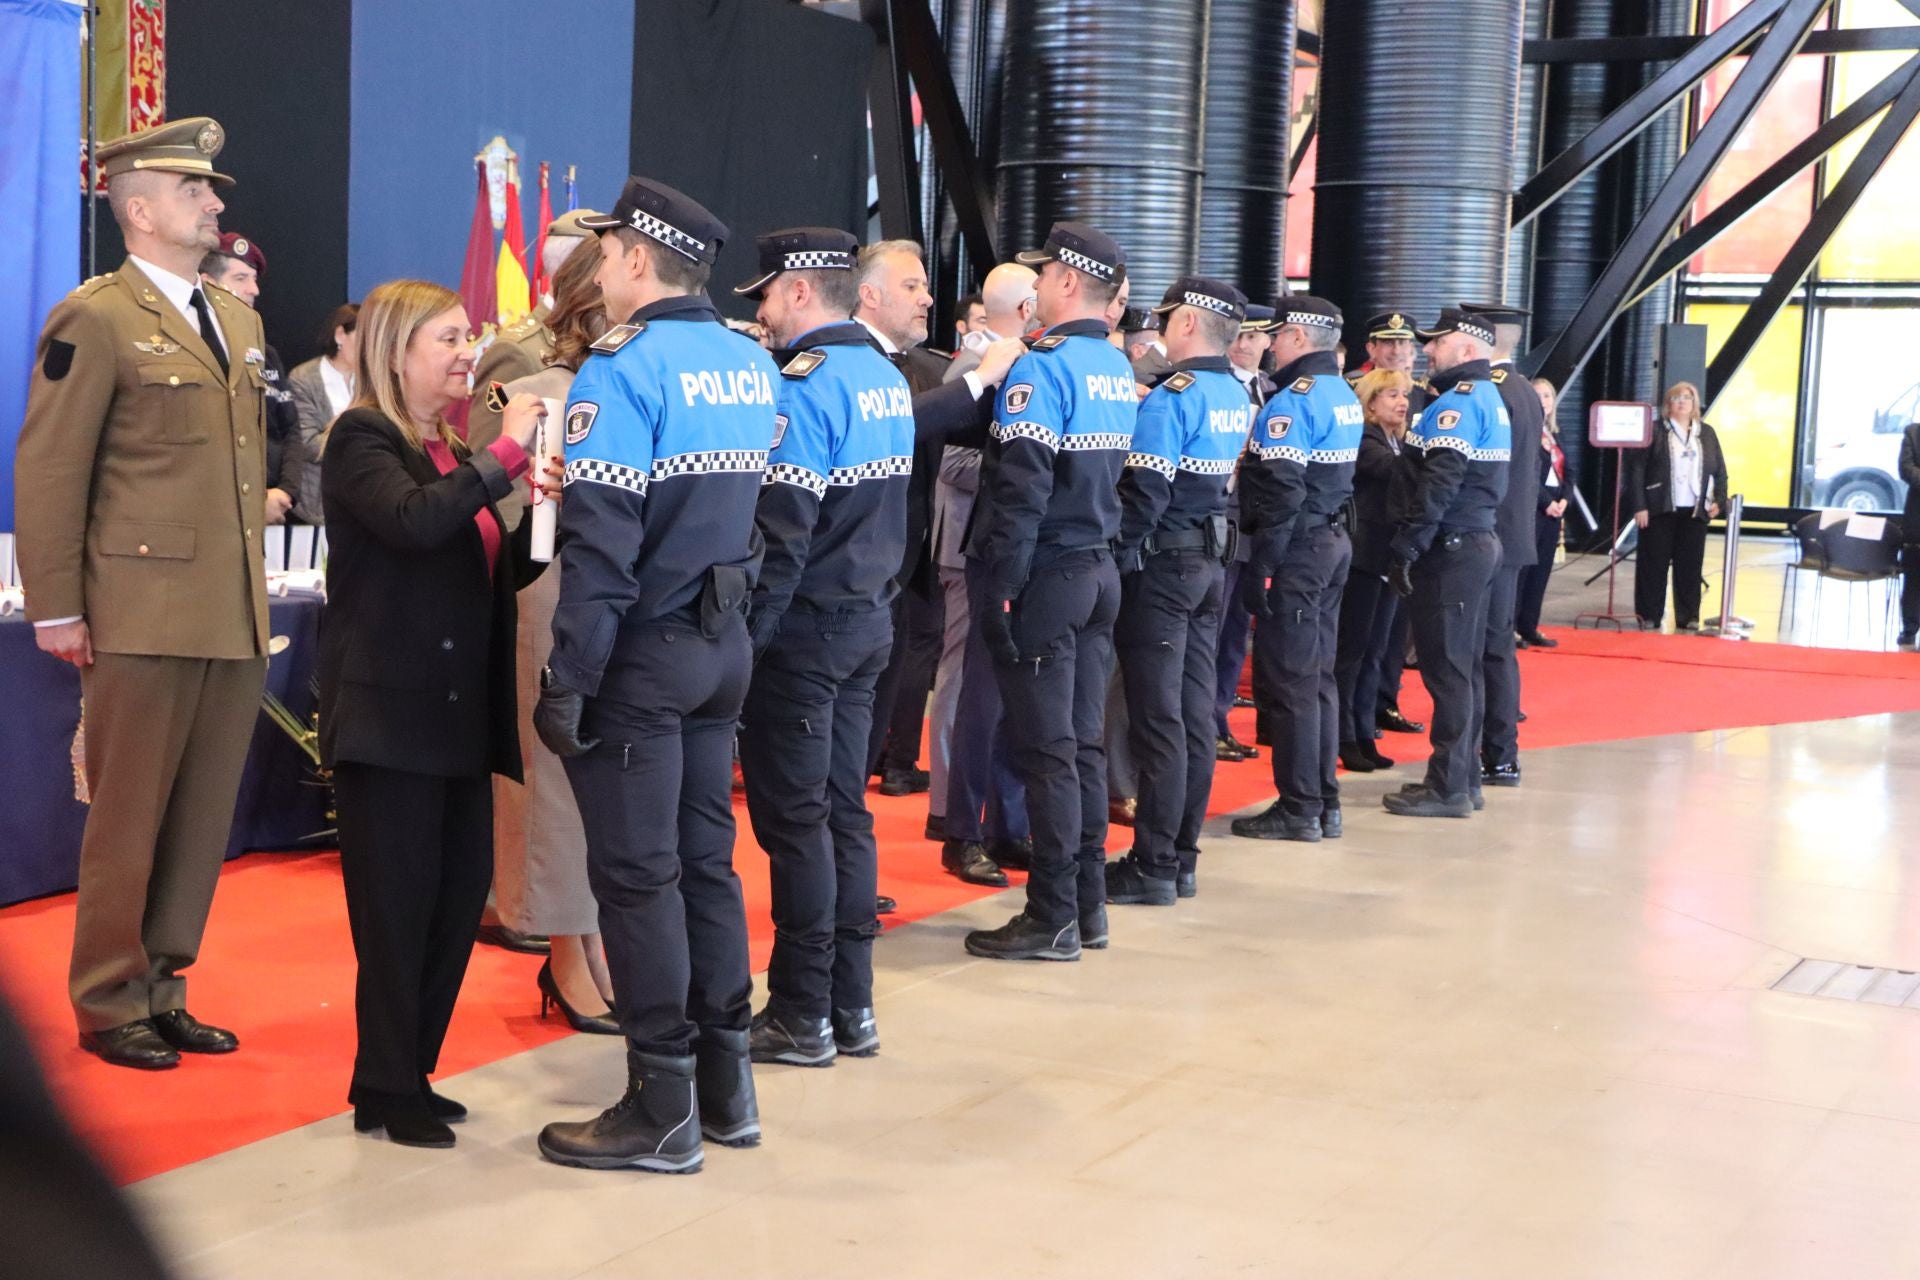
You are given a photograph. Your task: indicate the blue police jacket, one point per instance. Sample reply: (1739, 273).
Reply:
(667, 431)
(1050, 474)
(1189, 432)
(833, 506)
(1456, 460)
(1306, 438)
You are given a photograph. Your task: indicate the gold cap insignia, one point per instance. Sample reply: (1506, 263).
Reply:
(209, 138)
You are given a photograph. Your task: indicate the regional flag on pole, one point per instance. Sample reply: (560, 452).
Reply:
(536, 254)
(512, 277)
(477, 277)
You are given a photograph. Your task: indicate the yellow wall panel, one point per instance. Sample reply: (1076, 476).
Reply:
(1754, 415)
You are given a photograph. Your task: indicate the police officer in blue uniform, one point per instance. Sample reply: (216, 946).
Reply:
(1246, 355)
(1293, 502)
(1173, 542)
(667, 431)
(1444, 551)
(833, 516)
(1044, 589)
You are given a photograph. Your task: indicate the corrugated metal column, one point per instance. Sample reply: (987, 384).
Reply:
(1417, 106)
(1529, 123)
(1103, 122)
(1243, 196)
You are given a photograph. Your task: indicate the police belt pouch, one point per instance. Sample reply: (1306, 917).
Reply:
(725, 593)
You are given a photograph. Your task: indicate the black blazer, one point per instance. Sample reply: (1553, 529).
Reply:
(416, 645)
(1373, 475)
(1650, 474)
(1910, 472)
(944, 413)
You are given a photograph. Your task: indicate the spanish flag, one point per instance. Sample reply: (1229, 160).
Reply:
(510, 279)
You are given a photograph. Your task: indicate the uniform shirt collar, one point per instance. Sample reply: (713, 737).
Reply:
(1207, 364)
(687, 306)
(175, 289)
(886, 344)
(1313, 362)
(1246, 376)
(1444, 380)
(1090, 327)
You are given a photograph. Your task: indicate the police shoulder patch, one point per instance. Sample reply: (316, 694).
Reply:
(803, 364)
(1447, 420)
(617, 337)
(1301, 385)
(580, 416)
(1018, 395)
(1179, 381)
(58, 360)
(779, 428)
(1463, 388)
(1499, 376)
(1050, 342)
(1278, 426)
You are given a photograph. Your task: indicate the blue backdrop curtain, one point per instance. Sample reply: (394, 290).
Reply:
(39, 194)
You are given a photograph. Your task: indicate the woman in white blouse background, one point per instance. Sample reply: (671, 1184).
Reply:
(1674, 487)
(322, 390)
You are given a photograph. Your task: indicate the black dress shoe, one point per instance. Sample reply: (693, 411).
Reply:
(1649, 624)
(790, 1039)
(1539, 641)
(1129, 884)
(884, 906)
(1393, 721)
(1277, 824)
(1012, 855)
(1230, 750)
(498, 935)
(136, 1044)
(1332, 825)
(1519, 717)
(440, 1106)
(190, 1035)
(1024, 938)
(968, 860)
(1372, 748)
(596, 1024)
(1520, 642)
(1239, 701)
(1418, 802)
(936, 826)
(1354, 759)
(1500, 775)
(855, 1033)
(1120, 811)
(905, 782)
(1187, 884)
(406, 1117)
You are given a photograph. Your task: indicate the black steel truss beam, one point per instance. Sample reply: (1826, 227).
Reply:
(1665, 48)
(953, 148)
(1641, 109)
(1776, 175)
(890, 103)
(1826, 220)
(1569, 350)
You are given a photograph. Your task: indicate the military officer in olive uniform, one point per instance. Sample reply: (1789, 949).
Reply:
(139, 479)
(522, 348)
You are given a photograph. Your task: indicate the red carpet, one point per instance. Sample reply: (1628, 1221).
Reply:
(278, 965)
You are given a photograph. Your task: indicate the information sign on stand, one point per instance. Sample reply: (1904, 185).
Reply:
(1618, 425)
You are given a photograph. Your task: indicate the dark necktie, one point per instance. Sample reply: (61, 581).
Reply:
(209, 334)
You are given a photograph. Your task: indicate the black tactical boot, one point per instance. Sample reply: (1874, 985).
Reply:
(1129, 883)
(780, 1036)
(855, 1033)
(655, 1127)
(1024, 938)
(1277, 824)
(729, 1110)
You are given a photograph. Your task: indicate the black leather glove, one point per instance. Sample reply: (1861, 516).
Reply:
(1400, 578)
(556, 718)
(996, 628)
(1254, 590)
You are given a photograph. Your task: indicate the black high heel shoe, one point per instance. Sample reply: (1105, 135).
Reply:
(599, 1024)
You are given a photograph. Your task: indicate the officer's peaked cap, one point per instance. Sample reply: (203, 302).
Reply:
(1084, 248)
(1217, 296)
(675, 219)
(800, 249)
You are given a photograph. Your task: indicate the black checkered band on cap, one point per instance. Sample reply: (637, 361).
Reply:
(1475, 327)
(816, 260)
(1207, 302)
(1311, 318)
(1081, 262)
(668, 234)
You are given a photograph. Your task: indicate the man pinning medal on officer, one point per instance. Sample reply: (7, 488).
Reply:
(1173, 543)
(668, 426)
(1046, 592)
(833, 515)
(1293, 501)
(1444, 552)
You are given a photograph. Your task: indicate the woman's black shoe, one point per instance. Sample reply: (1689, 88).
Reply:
(440, 1105)
(599, 1024)
(405, 1117)
(1371, 747)
(1355, 760)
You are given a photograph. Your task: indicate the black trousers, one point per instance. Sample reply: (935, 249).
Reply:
(1676, 541)
(1533, 578)
(655, 798)
(900, 695)
(1393, 663)
(1168, 638)
(803, 740)
(1236, 630)
(1293, 652)
(1500, 671)
(1910, 588)
(1368, 609)
(416, 857)
(1056, 697)
(1448, 615)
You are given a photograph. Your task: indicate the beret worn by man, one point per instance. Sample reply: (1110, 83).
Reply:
(139, 479)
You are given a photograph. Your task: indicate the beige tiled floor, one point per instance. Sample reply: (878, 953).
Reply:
(1537, 1045)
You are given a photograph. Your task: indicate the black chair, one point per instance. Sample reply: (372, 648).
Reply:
(1834, 552)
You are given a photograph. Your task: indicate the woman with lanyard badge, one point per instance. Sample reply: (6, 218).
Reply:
(1674, 487)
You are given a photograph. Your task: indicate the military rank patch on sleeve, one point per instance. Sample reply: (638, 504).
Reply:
(1018, 395)
(580, 418)
(1049, 342)
(496, 401)
(779, 428)
(617, 337)
(59, 359)
(1302, 385)
(1447, 421)
(803, 364)
(1179, 381)
(1463, 387)
(1499, 376)
(1278, 426)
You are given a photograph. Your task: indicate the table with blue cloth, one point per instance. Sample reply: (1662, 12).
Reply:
(281, 804)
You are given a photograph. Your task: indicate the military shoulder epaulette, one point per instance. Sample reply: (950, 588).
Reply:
(207, 284)
(1301, 385)
(617, 337)
(1049, 342)
(804, 363)
(1179, 381)
(525, 327)
(87, 288)
(1463, 388)
(1353, 379)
